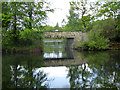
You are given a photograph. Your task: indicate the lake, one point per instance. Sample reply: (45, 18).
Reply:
(61, 67)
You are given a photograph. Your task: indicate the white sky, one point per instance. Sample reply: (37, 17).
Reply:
(61, 10)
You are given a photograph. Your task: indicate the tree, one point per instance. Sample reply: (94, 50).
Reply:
(63, 23)
(73, 21)
(35, 14)
(82, 8)
(109, 9)
(48, 28)
(11, 19)
(57, 27)
(20, 16)
(110, 12)
(24, 14)
(6, 17)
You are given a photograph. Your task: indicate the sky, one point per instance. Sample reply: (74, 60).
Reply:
(60, 13)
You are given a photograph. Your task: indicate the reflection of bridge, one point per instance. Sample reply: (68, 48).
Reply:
(77, 60)
(77, 36)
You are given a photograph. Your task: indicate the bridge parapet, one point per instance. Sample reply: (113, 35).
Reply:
(61, 34)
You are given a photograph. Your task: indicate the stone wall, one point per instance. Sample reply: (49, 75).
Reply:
(76, 35)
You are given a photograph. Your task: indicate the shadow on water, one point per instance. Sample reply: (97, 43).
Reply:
(85, 70)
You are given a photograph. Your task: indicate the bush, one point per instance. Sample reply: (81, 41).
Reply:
(95, 41)
(84, 45)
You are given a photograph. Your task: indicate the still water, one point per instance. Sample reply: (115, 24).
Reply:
(61, 67)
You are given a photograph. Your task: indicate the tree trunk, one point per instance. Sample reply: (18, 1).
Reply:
(15, 26)
(30, 16)
(84, 27)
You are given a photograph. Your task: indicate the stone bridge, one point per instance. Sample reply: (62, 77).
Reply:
(77, 36)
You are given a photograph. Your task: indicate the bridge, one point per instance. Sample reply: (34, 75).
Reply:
(73, 37)
(77, 36)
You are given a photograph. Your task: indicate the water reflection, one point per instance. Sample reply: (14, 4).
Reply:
(18, 71)
(101, 70)
(57, 75)
(57, 48)
(53, 55)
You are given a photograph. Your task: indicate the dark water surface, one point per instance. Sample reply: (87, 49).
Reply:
(59, 68)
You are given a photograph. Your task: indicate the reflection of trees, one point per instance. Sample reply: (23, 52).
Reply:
(79, 76)
(102, 71)
(27, 78)
(19, 72)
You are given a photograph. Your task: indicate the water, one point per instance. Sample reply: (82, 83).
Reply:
(54, 49)
(56, 69)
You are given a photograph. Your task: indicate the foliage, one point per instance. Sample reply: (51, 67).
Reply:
(95, 41)
(7, 38)
(117, 36)
(24, 14)
(118, 23)
(19, 20)
(29, 35)
(107, 28)
(102, 32)
(48, 28)
(35, 15)
(109, 9)
(79, 12)
(57, 27)
(51, 28)
(73, 22)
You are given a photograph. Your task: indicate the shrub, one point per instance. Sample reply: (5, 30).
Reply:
(95, 41)
(84, 45)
